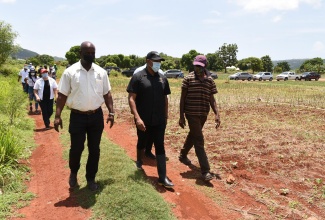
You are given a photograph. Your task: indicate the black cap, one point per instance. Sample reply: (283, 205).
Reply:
(154, 55)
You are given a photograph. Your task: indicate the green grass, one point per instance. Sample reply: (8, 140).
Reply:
(125, 193)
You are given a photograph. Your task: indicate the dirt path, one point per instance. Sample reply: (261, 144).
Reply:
(49, 180)
(189, 203)
(53, 200)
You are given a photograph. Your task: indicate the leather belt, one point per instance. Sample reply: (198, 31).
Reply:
(90, 112)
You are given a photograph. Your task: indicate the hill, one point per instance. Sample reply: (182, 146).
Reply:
(293, 63)
(25, 54)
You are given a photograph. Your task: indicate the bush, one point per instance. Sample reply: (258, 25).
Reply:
(114, 73)
(10, 152)
(6, 72)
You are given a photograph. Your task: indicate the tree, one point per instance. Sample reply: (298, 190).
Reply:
(228, 55)
(284, 66)
(214, 62)
(187, 60)
(46, 59)
(314, 64)
(267, 63)
(73, 55)
(7, 38)
(253, 63)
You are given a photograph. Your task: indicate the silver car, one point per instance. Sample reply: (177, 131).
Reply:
(241, 75)
(263, 76)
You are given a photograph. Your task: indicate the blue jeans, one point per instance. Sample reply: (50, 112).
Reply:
(32, 97)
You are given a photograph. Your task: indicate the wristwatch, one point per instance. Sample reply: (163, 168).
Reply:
(112, 113)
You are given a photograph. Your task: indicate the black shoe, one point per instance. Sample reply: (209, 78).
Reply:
(73, 180)
(92, 185)
(184, 160)
(207, 176)
(166, 183)
(150, 155)
(139, 165)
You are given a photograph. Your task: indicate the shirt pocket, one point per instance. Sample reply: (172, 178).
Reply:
(99, 87)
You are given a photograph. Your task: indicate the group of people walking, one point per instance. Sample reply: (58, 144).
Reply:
(85, 86)
(41, 89)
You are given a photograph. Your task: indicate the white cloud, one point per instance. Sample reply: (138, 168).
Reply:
(277, 18)
(278, 5)
(218, 13)
(7, 1)
(212, 21)
(318, 46)
(149, 19)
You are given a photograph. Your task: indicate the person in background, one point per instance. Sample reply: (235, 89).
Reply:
(22, 76)
(198, 89)
(30, 80)
(148, 149)
(45, 91)
(148, 102)
(84, 87)
(52, 72)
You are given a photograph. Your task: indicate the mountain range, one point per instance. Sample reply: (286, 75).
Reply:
(25, 54)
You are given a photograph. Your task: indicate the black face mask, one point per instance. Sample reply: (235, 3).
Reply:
(89, 58)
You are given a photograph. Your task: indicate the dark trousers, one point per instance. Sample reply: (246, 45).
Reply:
(25, 87)
(153, 134)
(80, 126)
(195, 138)
(47, 110)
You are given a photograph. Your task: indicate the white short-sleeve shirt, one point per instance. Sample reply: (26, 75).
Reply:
(84, 89)
(23, 75)
(39, 85)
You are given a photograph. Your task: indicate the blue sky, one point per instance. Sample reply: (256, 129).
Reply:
(282, 29)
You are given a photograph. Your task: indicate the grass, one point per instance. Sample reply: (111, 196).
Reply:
(272, 131)
(125, 193)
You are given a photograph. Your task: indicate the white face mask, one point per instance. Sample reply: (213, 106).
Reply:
(32, 74)
(155, 66)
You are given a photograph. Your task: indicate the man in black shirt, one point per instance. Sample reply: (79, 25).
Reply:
(148, 101)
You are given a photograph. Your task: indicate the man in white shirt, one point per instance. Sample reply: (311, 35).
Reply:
(84, 87)
(22, 76)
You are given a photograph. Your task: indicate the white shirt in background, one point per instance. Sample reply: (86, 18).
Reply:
(39, 85)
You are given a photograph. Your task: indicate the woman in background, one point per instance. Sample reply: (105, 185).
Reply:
(30, 80)
(45, 90)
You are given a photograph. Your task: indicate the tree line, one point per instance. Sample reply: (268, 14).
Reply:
(225, 56)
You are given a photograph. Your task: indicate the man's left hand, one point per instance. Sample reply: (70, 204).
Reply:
(111, 119)
(217, 121)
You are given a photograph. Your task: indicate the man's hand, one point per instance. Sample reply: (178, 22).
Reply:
(111, 119)
(140, 124)
(217, 120)
(182, 122)
(57, 122)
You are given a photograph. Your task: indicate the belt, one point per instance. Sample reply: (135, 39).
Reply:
(90, 112)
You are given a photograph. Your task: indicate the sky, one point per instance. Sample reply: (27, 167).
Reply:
(282, 29)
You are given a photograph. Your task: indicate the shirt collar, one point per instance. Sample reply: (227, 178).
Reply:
(82, 68)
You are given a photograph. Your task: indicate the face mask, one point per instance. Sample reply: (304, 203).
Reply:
(199, 70)
(33, 74)
(155, 66)
(45, 75)
(89, 58)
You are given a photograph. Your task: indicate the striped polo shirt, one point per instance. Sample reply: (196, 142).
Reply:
(197, 101)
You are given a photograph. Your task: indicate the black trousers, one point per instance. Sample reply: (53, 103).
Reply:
(155, 134)
(80, 126)
(47, 110)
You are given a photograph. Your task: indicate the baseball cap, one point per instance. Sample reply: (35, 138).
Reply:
(44, 71)
(154, 55)
(200, 60)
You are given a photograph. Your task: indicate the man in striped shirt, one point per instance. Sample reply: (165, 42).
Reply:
(198, 89)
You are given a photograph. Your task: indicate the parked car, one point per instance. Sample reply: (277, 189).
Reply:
(129, 72)
(263, 76)
(213, 75)
(241, 75)
(308, 76)
(174, 74)
(109, 68)
(287, 76)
